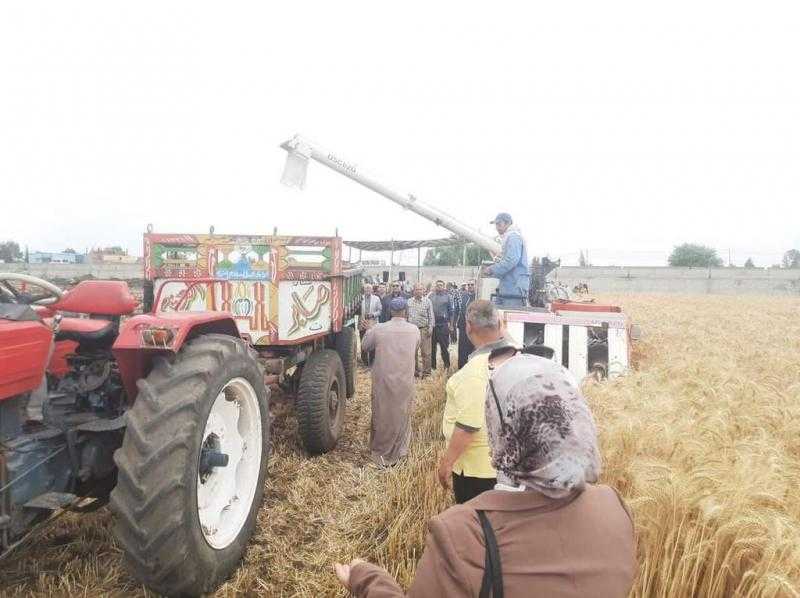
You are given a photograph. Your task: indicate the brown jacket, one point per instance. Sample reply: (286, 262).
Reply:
(579, 546)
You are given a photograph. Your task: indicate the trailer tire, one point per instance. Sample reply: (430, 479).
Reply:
(169, 490)
(320, 403)
(345, 344)
(598, 371)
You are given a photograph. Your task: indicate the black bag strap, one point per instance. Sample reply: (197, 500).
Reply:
(492, 583)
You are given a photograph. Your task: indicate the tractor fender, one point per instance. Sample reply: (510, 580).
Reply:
(136, 345)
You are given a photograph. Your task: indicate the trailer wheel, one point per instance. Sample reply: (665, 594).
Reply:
(345, 343)
(192, 466)
(599, 371)
(320, 403)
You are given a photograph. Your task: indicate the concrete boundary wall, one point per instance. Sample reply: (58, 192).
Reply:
(70, 271)
(726, 281)
(717, 281)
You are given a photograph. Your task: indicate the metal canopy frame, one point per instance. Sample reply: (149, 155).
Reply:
(396, 245)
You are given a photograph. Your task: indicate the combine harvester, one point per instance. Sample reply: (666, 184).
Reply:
(585, 337)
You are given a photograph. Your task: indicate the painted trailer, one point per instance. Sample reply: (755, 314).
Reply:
(293, 299)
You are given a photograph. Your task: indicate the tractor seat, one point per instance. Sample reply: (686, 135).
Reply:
(88, 333)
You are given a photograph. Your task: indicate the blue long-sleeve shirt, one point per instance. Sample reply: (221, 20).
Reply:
(512, 268)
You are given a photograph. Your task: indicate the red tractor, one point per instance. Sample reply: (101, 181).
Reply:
(164, 415)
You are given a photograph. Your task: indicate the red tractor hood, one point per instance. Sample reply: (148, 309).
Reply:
(24, 346)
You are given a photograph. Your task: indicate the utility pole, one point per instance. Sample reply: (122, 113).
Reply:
(391, 262)
(464, 264)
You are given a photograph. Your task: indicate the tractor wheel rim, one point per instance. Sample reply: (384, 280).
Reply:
(225, 493)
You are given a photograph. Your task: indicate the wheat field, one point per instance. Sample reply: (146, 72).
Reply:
(702, 438)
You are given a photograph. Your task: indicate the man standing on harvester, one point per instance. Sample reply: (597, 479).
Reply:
(512, 266)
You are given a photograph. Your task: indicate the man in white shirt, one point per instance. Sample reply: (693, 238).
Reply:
(370, 310)
(420, 313)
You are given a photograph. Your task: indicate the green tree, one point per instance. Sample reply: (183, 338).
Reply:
(10, 251)
(749, 263)
(115, 250)
(791, 259)
(453, 255)
(582, 260)
(693, 255)
(70, 250)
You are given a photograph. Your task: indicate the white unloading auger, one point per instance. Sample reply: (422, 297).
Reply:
(301, 150)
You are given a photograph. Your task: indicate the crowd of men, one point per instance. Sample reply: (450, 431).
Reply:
(521, 453)
(437, 309)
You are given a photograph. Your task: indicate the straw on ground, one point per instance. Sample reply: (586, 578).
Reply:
(703, 440)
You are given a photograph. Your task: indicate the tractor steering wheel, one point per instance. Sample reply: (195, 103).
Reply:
(50, 295)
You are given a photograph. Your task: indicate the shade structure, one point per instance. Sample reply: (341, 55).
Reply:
(403, 245)
(394, 245)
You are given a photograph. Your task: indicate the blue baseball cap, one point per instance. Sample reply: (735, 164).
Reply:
(502, 217)
(398, 304)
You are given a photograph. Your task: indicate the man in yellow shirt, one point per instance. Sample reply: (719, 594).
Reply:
(466, 463)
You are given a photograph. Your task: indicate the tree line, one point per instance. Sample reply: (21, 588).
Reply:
(694, 255)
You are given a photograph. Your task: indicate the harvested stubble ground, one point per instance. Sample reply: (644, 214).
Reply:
(703, 440)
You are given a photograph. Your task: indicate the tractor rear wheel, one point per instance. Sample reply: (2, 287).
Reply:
(192, 466)
(320, 403)
(345, 343)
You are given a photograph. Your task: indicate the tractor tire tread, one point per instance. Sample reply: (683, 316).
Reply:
(345, 344)
(149, 498)
(312, 401)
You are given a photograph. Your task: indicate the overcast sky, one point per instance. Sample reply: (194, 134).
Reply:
(620, 127)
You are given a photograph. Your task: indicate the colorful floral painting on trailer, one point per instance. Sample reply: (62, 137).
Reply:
(279, 289)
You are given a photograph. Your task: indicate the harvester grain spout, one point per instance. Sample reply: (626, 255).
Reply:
(300, 150)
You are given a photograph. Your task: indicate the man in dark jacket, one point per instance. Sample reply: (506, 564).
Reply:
(386, 300)
(465, 346)
(443, 312)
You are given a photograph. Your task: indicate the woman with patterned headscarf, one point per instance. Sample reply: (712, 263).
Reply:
(546, 529)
